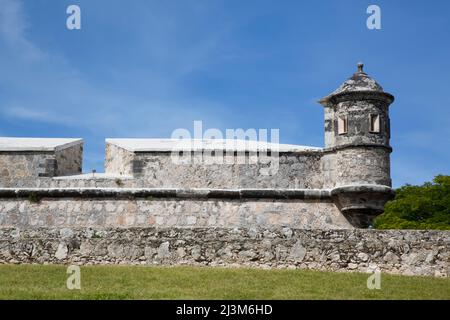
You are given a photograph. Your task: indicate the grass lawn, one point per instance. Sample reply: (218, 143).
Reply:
(135, 282)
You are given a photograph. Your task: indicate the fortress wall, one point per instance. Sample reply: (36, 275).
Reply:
(362, 165)
(69, 160)
(159, 170)
(62, 168)
(329, 170)
(290, 170)
(30, 168)
(118, 160)
(23, 168)
(169, 208)
(351, 166)
(406, 252)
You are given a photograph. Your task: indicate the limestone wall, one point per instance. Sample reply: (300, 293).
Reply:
(357, 165)
(169, 208)
(400, 252)
(291, 170)
(306, 169)
(23, 168)
(31, 168)
(69, 160)
(118, 160)
(157, 170)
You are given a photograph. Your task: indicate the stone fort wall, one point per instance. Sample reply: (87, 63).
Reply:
(32, 166)
(295, 170)
(246, 208)
(399, 252)
(308, 168)
(148, 209)
(249, 227)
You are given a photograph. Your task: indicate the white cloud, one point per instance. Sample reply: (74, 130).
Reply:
(12, 23)
(27, 114)
(45, 87)
(12, 30)
(50, 90)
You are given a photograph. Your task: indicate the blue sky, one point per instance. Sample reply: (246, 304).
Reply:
(145, 68)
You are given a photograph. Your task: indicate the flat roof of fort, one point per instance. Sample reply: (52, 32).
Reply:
(164, 145)
(37, 144)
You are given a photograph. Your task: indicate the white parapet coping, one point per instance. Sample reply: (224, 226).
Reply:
(169, 145)
(10, 144)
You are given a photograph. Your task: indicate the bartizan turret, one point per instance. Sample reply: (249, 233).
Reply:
(356, 163)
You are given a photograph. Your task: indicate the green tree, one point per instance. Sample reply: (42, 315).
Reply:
(418, 207)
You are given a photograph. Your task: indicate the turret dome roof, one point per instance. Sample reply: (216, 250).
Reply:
(360, 81)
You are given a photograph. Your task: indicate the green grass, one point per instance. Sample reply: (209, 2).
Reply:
(133, 282)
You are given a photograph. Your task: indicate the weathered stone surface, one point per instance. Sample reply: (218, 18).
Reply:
(118, 160)
(29, 168)
(357, 165)
(170, 211)
(333, 250)
(61, 252)
(157, 169)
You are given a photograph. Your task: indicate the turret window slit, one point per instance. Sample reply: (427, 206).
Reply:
(374, 123)
(342, 125)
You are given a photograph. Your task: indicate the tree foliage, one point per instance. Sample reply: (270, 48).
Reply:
(419, 207)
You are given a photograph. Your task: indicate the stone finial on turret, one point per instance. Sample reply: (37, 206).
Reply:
(360, 67)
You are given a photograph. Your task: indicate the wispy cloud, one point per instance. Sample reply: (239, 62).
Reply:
(48, 88)
(27, 114)
(12, 29)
